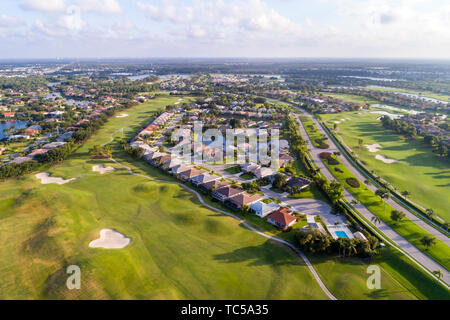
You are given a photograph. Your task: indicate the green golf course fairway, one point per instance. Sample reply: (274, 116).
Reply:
(179, 249)
(417, 170)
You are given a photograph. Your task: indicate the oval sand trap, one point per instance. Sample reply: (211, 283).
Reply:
(373, 147)
(46, 179)
(384, 159)
(101, 168)
(110, 239)
(122, 115)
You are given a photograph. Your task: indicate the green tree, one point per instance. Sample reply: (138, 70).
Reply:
(376, 220)
(428, 241)
(384, 194)
(279, 181)
(335, 191)
(397, 216)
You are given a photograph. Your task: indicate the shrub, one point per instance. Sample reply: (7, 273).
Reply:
(332, 161)
(352, 182)
(338, 170)
(325, 155)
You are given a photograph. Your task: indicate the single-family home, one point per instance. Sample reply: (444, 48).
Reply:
(249, 167)
(242, 199)
(21, 160)
(187, 175)
(53, 145)
(264, 172)
(204, 178)
(298, 182)
(225, 193)
(37, 152)
(282, 218)
(162, 159)
(180, 168)
(214, 185)
(284, 159)
(171, 163)
(262, 209)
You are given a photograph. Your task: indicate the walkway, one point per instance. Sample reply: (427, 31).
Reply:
(199, 197)
(418, 255)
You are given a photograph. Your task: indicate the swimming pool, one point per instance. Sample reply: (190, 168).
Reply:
(341, 234)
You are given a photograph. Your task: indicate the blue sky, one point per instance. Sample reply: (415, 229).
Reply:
(219, 28)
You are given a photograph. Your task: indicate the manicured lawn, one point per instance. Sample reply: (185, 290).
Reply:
(347, 277)
(179, 249)
(409, 230)
(418, 170)
(233, 169)
(314, 134)
(311, 192)
(247, 176)
(424, 93)
(350, 97)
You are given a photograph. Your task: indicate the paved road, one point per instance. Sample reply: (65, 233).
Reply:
(383, 227)
(411, 216)
(199, 197)
(290, 245)
(304, 206)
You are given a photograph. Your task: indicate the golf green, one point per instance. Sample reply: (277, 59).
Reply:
(179, 249)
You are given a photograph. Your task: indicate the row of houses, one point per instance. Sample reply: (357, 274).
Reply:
(220, 189)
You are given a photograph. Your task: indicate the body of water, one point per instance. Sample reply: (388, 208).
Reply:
(139, 77)
(383, 106)
(4, 126)
(373, 78)
(412, 95)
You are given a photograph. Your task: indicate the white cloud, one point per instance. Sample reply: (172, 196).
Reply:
(175, 13)
(249, 19)
(100, 6)
(9, 21)
(44, 5)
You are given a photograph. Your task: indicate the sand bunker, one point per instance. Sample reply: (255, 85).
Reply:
(373, 147)
(110, 239)
(342, 120)
(46, 179)
(122, 115)
(101, 168)
(384, 159)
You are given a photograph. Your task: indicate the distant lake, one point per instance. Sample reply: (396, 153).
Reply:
(412, 95)
(139, 77)
(373, 78)
(11, 124)
(383, 106)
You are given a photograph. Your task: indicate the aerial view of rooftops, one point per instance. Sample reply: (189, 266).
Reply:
(214, 151)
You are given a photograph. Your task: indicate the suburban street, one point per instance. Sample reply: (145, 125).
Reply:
(383, 227)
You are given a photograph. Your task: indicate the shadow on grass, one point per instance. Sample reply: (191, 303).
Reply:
(261, 255)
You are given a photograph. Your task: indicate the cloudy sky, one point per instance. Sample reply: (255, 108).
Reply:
(224, 28)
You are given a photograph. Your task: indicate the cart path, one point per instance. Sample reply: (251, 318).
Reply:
(199, 197)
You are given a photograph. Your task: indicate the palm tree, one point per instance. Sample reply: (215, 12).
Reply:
(351, 246)
(385, 194)
(438, 273)
(428, 241)
(354, 202)
(406, 193)
(375, 220)
(430, 213)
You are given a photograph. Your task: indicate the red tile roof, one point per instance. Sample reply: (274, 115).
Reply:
(282, 216)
